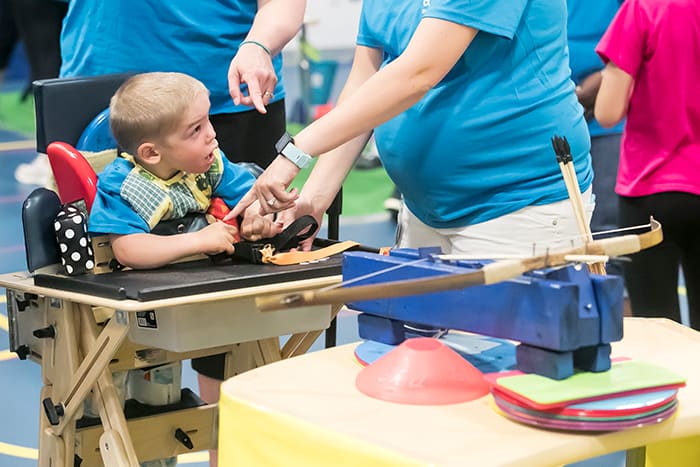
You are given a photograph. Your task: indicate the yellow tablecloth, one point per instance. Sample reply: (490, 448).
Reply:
(306, 411)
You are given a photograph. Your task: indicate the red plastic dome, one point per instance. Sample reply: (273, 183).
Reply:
(422, 371)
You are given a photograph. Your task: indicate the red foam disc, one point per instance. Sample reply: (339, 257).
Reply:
(422, 371)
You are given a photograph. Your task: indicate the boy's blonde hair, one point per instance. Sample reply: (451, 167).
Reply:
(149, 106)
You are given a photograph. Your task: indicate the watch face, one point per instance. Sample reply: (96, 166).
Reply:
(283, 142)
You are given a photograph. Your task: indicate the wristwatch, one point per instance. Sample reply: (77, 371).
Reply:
(285, 146)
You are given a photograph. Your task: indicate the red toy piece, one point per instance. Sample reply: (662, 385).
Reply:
(218, 209)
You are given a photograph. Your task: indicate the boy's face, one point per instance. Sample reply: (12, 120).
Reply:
(190, 147)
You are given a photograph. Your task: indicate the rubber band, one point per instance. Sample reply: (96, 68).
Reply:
(258, 44)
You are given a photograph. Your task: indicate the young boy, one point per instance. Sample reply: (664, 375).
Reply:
(170, 166)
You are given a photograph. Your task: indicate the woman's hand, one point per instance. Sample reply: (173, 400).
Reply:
(301, 208)
(270, 190)
(252, 65)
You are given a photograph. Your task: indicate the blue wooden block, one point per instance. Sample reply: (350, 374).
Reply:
(549, 363)
(556, 311)
(609, 292)
(379, 329)
(595, 358)
(545, 312)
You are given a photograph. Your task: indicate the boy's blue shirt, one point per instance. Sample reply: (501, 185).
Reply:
(477, 145)
(111, 213)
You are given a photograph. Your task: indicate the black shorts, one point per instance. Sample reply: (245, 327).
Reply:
(244, 137)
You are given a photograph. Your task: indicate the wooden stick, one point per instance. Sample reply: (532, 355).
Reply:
(568, 171)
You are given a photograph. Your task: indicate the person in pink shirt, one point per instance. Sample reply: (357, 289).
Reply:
(652, 76)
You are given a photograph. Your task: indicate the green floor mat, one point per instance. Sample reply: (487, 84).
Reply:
(16, 114)
(364, 191)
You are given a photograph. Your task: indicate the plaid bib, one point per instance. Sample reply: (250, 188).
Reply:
(155, 199)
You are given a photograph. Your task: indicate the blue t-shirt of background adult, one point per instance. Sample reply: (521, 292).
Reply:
(587, 21)
(478, 145)
(196, 37)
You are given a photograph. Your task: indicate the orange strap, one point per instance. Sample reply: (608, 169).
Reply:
(296, 257)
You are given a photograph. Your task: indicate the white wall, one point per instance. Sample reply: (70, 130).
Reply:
(331, 27)
(332, 23)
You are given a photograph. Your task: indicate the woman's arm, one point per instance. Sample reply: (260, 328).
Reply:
(613, 96)
(432, 52)
(330, 170)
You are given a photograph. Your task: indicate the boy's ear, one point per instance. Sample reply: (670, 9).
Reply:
(148, 154)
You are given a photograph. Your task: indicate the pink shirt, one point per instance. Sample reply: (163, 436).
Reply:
(657, 42)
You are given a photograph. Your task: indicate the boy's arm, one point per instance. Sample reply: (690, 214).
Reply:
(148, 251)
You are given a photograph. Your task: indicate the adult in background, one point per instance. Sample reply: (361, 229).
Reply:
(37, 24)
(652, 52)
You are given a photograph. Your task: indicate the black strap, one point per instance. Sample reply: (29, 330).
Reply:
(250, 252)
(295, 233)
(191, 222)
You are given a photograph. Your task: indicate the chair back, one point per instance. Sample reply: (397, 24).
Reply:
(64, 107)
(75, 178)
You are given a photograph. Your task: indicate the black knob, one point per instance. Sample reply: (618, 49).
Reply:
(23, 304)
(181, 436)
(22, 351)
(49, 332)
(53, 412)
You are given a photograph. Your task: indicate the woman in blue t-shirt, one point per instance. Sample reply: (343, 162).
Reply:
(464, 98)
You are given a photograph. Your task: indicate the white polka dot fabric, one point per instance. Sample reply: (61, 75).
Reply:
(73, 241)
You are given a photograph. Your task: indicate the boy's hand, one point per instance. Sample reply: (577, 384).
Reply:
(255, 226)
(216, 238)
(218, 210)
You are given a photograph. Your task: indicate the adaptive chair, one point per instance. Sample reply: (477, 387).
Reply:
(81, 342)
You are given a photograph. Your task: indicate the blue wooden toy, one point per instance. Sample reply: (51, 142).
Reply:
(564, 317)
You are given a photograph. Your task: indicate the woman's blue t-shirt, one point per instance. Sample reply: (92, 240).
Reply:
(478, 145)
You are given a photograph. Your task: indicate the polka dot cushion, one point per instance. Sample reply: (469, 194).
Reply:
(74, 243)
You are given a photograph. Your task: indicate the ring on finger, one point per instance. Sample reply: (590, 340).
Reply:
(271, 201)
(268, 94)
